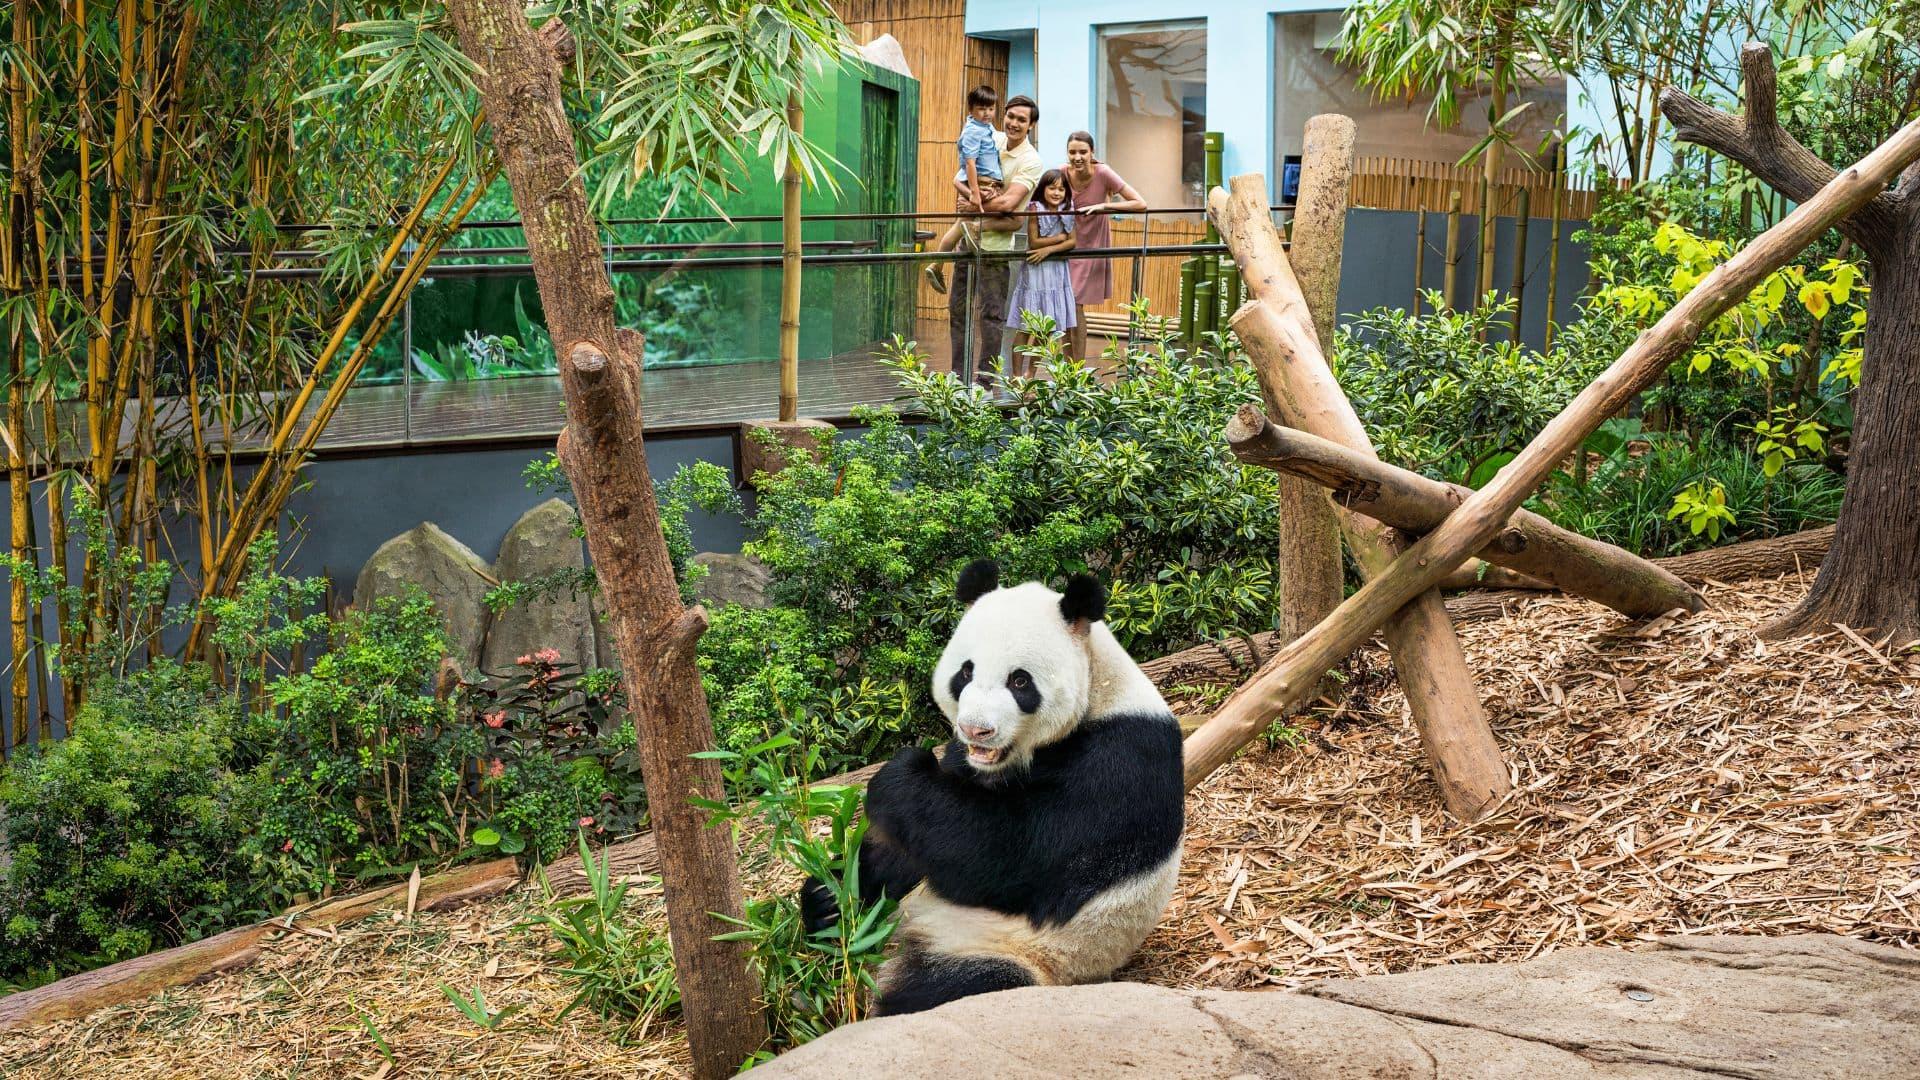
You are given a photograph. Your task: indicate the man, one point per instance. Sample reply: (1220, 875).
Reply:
(980, 290)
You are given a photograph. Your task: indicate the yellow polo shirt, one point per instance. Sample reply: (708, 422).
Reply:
(1017, 166)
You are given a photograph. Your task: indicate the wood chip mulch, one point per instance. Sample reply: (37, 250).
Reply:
(1673, 776)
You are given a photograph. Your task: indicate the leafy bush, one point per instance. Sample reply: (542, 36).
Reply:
(1446, 395)
(1128, 478)
(1630, 497)
(378, 771)
(129, 835)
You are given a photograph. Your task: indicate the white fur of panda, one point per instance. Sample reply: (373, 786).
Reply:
(1042, 845)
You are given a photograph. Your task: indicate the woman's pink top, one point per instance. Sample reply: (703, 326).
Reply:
(1093, 278)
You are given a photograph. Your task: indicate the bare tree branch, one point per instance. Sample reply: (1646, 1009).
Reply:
(1770, 152)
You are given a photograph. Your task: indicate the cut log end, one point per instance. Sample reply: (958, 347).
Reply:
(587, 360)
(1248, 422)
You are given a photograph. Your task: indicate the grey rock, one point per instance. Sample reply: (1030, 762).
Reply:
(539, 544)
(1812, 1005)
(448, 571)
(732, 579)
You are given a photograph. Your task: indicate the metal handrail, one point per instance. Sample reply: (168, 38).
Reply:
(744, 262)
(750, 219)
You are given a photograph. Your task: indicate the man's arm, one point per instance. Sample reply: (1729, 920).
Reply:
(1013, 198)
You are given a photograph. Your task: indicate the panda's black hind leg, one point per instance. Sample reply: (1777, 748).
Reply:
(922, 983)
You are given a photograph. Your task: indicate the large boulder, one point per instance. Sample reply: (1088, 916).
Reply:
(731, 579)
(1807, 1006)
(448, 571)
(540, 544)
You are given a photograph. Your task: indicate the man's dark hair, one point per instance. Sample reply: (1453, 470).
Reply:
(981, 95)
(1022, 100)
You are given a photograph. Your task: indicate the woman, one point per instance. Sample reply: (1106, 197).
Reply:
(1094, 186)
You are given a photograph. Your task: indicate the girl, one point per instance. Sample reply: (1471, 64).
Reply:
(1045, 286)
(1094, 187)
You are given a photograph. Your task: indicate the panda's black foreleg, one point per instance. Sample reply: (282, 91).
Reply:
(917, 982)
(970, 846)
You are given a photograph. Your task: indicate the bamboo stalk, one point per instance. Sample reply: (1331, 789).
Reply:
(790, 264)
(1419, 259)
(1285, 678)
(1553, 239)
(1450, 275)
(1520, 265)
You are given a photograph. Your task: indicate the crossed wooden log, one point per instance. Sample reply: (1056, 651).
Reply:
(1310, 431)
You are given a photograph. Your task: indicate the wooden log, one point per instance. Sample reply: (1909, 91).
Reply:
(1312, 577)
(1481, 575)
(1231, 661)
(143, 976)
(518, 71)
(1527, 543)
(1291, 673)
(1277, 331)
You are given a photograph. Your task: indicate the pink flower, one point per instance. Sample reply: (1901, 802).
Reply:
(496, 719)
(498, 770)
(288, 846)
(585, 821)
(548, 656)
(525, 660)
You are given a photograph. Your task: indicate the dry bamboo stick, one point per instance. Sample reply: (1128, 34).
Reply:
(1291, 672)
(1527, 543)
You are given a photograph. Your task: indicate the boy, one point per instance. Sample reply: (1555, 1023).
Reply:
(979, 177)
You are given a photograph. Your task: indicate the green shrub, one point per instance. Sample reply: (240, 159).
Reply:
(129, 835)
(1446, 394)
(1128, 478)
(1627, 499)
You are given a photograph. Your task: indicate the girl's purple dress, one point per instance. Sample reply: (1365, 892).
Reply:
(1045, 287)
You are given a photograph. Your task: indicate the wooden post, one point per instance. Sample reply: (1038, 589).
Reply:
(1277, 330)
(790, 265)
(1527, 543)
(1559, 193)
(1312, 577)
(602, 450)
(1520, 264)
(1290, 673)
(1451, 273)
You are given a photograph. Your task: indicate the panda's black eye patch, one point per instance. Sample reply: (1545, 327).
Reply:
(960, 680)
(1025, 693)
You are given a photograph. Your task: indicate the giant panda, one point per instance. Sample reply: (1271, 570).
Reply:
(1040, 846)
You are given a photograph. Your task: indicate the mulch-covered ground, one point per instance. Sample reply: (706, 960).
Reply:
(1674, 776)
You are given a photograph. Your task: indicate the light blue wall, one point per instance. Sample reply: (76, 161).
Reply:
(1239, 64)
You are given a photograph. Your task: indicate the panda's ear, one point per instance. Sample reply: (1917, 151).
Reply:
(980, 577)
(1084, 603)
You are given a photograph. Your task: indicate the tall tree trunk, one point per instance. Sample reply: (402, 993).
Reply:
(606, 461)
(1871, 576)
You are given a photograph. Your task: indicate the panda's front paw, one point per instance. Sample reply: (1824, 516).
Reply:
(818, 909)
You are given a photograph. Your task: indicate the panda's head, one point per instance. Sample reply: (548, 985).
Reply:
(1016, 674)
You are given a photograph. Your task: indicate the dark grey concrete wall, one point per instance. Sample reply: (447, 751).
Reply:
(352, 505)
(1378, 270)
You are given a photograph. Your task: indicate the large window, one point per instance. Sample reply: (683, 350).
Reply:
(1152, 89)
(1307, 80)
